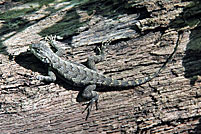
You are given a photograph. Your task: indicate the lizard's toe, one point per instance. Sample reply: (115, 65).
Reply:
(89, 106)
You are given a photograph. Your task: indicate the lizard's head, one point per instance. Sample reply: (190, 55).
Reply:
(41, 51)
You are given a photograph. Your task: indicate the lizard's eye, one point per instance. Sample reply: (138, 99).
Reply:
(37, 50)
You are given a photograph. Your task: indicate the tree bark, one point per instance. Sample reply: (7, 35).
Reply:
(142, 33)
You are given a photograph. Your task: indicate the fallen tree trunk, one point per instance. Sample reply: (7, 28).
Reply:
(142, 34)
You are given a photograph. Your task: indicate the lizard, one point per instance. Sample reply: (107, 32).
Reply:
(86, 76)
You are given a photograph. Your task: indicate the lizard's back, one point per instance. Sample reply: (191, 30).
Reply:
(71, 72)
(78, 74)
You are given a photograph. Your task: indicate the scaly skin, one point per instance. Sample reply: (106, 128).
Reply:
(78, 74)
(82, 76)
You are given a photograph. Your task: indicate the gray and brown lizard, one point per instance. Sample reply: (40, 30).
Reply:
(84, 76)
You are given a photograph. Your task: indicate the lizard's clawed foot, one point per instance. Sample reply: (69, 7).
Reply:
(50, 38)
(89, 106)
(100, 49)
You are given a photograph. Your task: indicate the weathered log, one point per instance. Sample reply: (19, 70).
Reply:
(143, 34)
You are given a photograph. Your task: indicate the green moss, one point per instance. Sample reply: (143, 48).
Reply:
(41, 2)
(191, 4)
(15, 13)
(13, 20)
(45, 2)
(194, 44)
(65, 27)
(70, 23)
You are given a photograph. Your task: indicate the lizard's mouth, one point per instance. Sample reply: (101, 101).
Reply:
(39, 53)
(44, 59)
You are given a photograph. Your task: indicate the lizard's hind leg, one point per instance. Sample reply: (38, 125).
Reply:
(89, 94)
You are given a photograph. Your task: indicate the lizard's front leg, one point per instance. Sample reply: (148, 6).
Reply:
(50, 78)
(60, 48)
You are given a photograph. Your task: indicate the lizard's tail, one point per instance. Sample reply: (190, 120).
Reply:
(141, 81)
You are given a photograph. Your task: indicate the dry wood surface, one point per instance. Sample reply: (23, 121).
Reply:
(142, 33)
